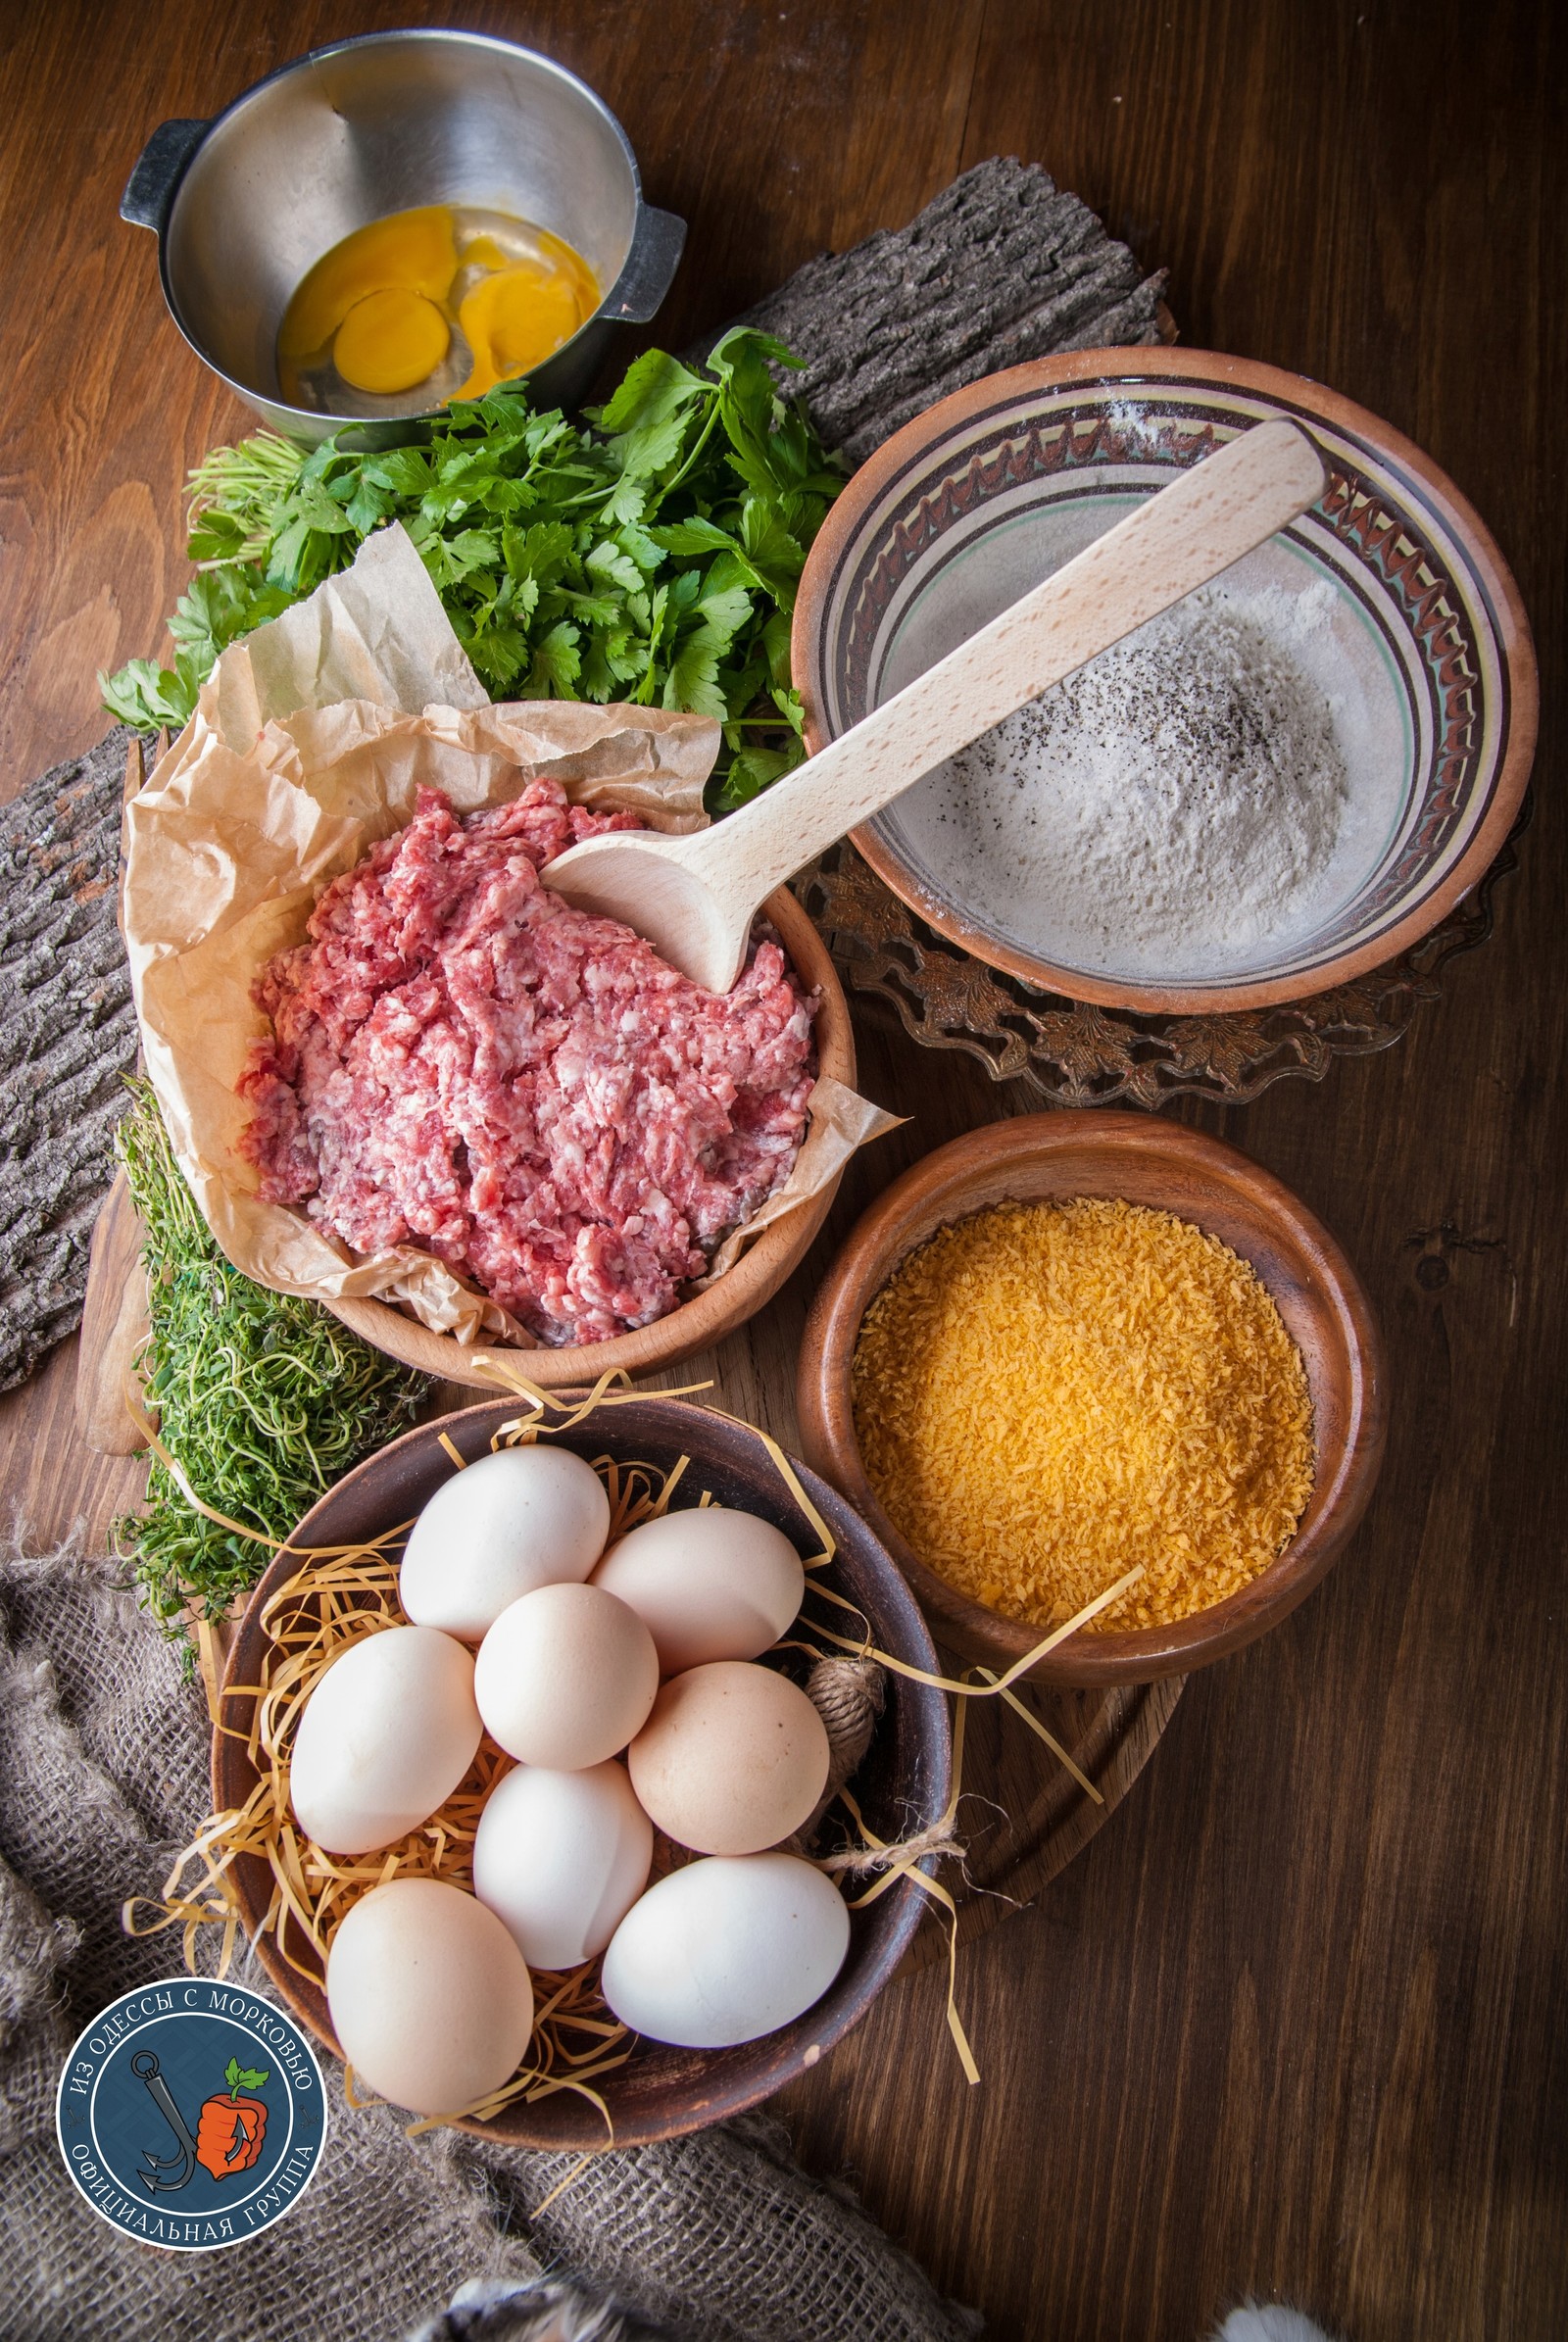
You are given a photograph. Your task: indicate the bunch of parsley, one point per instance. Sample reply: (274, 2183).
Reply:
(652, 558)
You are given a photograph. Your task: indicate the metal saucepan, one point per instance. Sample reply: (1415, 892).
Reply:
(243, 205)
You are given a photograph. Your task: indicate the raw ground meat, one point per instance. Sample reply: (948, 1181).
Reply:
(462, 1062)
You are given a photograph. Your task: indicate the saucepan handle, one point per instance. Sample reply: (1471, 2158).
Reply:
(159, 167)
(656, 244)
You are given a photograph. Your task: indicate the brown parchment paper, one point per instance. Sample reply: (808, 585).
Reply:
(310, 740)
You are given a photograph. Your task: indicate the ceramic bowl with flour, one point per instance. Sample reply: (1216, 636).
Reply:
(1283, 781)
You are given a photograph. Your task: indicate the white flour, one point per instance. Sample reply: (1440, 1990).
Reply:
(1177, 805)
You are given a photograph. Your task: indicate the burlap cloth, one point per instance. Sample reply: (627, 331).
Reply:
(103, 1775)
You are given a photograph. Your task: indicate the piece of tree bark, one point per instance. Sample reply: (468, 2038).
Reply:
(68, 1033)
(1001, 266)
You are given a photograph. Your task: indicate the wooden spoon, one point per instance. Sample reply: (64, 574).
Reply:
(695, 897)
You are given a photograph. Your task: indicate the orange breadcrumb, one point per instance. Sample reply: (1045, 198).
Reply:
(1045, 1394)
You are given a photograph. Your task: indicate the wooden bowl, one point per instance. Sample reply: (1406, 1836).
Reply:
(901, 1785)
(1145, 1160)
(707, 1316)
(992, 489)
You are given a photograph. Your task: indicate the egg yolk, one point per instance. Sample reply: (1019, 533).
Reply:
(380, 309)
(389, 341)
(513, 320)
(483, 251)
(413, 252)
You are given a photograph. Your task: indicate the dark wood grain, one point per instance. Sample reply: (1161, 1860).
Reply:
(1291, 2024)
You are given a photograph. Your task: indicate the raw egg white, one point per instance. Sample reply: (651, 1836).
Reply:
(562, 1857)
(387, 1733)
(708, 1583)
(725, 1950)
(430, 1999)
(565, 1677)
(733, 1758)
(523, 1517)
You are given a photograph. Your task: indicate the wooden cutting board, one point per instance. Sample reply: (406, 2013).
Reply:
(114, 1326)
(1022, 1817)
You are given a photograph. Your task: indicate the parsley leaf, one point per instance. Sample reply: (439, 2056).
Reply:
(750, 771)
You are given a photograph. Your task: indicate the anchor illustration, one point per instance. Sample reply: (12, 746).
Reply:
(152, 2167)
(228, 2132)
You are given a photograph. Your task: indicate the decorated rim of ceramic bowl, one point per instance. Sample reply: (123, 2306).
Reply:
(1390, 532)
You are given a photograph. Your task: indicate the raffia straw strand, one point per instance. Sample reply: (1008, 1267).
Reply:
(907, 1866)
(791, 1479)
(936, 1841)
(576, 2172)
(1002, 1683)
(614, 1387)
(1063, 1756)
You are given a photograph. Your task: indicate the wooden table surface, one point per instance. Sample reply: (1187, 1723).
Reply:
(1294, 2024)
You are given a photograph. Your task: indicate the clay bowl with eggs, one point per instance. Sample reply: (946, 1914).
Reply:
(1390, 595)
(1140, 1159)
(707, 1316)
(902, 1783)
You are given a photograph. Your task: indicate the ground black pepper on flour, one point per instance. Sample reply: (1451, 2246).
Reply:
(1176, 806)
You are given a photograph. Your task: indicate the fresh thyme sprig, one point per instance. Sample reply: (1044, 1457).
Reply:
(263, 1399)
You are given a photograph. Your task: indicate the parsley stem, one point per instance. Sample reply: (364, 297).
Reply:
(703, 436)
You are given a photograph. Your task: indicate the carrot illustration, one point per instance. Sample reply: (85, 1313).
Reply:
(228, 2136)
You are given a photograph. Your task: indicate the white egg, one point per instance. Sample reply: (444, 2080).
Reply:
(526, 1517)
(707, 1583)
(562, 1857)
(430, 1999)
(565, 1677)
(726, 1949)
(386, 1735)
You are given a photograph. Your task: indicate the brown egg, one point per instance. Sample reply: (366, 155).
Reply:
(431, 2000)
(732, 1759)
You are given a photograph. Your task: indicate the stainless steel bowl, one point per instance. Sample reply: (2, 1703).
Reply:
(243, 205)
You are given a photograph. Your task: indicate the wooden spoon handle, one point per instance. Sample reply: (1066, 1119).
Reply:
(1176, 541)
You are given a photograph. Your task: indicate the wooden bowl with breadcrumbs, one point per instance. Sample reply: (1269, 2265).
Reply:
(1089, 1343)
